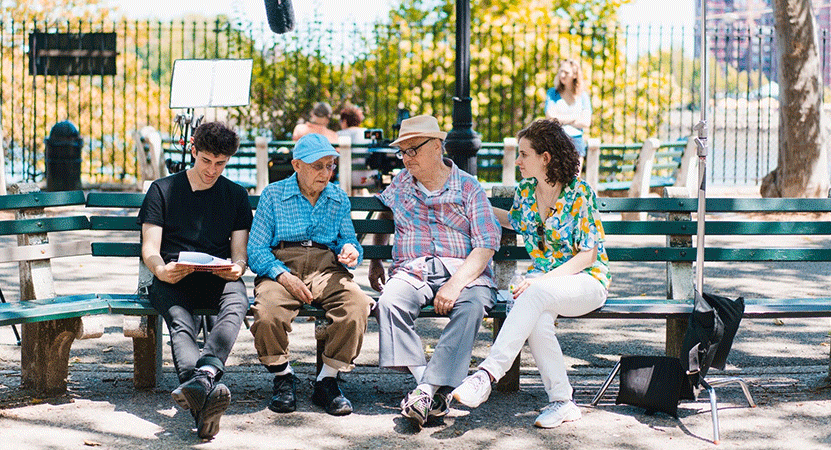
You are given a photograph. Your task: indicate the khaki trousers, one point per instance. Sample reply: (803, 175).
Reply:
(333, 289)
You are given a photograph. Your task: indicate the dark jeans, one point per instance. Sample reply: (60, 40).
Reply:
(177, 302)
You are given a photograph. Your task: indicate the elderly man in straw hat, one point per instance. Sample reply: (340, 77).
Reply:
(445, 236)
(302, 243)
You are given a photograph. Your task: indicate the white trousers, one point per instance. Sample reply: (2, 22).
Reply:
(532, 318)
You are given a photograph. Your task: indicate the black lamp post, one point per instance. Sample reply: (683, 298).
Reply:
(462, 142)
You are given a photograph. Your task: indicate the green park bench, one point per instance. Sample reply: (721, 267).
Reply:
(669, 219)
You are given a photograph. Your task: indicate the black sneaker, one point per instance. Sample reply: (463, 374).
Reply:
(191, 394)
(285, 394)
(207, 419)
(328, 396)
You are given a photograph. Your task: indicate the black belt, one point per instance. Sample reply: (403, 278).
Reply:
(308, 244)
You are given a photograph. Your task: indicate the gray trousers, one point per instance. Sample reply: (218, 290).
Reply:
(400, 345)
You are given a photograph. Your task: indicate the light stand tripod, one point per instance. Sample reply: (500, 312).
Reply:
(186, 124)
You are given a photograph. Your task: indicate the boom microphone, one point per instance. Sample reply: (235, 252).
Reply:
(280, 15)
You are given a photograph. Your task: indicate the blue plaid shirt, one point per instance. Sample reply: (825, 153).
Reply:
(284, 214)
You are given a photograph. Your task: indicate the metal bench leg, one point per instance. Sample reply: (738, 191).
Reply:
(320, 336)
(510, 381)
(606, 384)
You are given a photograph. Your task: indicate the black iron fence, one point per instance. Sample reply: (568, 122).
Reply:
(643, 82)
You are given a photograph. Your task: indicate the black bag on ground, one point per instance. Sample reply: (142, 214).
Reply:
(654, 383)
(710, 332)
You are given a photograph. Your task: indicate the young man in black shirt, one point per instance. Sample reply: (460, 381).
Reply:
(199, 210)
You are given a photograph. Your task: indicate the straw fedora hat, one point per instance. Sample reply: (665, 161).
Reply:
(424, 126)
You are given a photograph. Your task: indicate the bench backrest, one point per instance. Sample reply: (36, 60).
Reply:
(681, 225)
(31, 226)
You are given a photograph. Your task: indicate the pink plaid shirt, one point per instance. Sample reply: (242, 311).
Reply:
(448, 225)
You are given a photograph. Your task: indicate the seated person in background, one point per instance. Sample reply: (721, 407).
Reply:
(556, 214)
(445, 236)
(302, 242)
(350, 124)
(199, 210)
(318, 123)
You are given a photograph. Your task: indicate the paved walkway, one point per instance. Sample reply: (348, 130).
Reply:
(781, 360)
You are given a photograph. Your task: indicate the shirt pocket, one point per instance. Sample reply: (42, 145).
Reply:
(452, 215)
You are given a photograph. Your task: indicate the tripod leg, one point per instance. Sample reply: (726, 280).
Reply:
(606, 384)
(714, 409)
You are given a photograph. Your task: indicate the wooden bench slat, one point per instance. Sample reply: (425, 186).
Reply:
(51, 309)
(721, 228)
(768, 205)
(41, 200)
(114, 223)
(44, 225)
(116, 249)
(115, 199)
(381, 226)
(44, 251)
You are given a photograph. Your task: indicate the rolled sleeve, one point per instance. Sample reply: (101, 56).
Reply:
(485, 231)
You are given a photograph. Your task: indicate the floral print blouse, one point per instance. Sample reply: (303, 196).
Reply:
(573, 225)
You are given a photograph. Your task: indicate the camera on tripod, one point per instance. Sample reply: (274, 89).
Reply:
(381, 157)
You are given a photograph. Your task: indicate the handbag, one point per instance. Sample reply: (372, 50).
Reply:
(655, 383)
(710, 332)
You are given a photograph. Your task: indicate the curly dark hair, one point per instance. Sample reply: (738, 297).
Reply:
(216, 138)
(352, 115)
(547, 136)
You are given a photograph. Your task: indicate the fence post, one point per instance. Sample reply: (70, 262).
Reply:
(593, 163)
(643, 176)
(687, 173)
(509, 161)
(345, 163)
(148, 144)
(261, 148)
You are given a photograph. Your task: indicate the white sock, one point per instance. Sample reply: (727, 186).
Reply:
(418, 372)
(327, 371)
(429, 389)
(211, 369)
(285, 371)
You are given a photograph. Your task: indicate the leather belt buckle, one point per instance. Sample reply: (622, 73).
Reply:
(306, 243)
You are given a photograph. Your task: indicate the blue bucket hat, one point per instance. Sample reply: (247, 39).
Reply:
(312, 147)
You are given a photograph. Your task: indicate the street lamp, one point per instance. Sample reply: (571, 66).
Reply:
(462, 142)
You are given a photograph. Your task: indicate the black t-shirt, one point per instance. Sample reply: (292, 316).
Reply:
(199, 221)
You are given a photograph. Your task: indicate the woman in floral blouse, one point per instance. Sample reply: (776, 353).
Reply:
(556, 214)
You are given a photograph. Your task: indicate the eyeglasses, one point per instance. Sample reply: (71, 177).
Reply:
(319, 167)
(541, 234)
(411, 152)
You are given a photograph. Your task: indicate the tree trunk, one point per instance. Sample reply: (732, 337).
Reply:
(803, 164)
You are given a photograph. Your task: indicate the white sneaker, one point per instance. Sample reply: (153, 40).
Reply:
(474, 389)
(555, 413)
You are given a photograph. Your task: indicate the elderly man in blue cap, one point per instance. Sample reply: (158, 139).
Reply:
(302, 243)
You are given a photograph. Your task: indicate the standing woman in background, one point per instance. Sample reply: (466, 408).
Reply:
(570, 104)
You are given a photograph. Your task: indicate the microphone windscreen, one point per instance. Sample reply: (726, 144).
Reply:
(280, 15)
